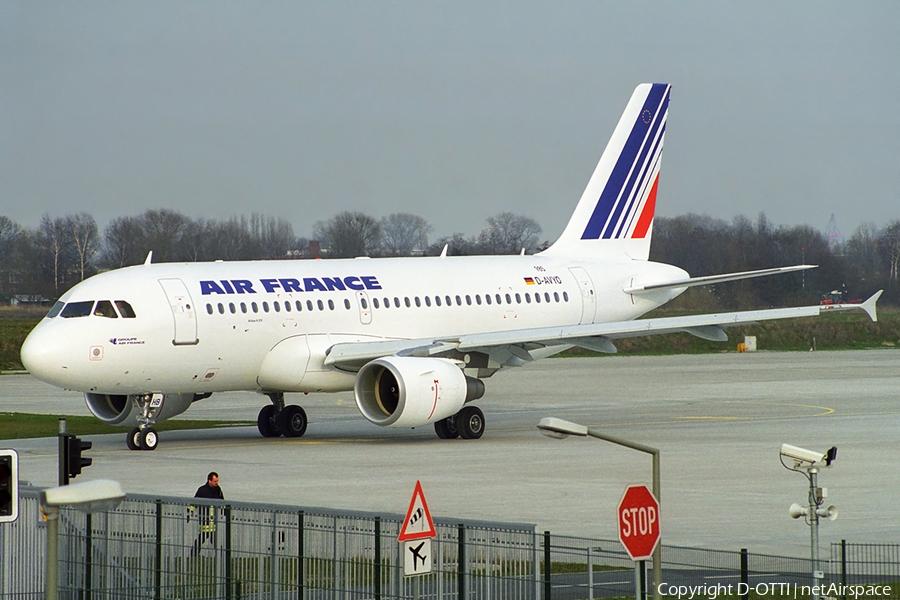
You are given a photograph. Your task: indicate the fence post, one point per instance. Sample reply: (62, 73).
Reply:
(547, 565)
(157, 577)
(228, 582)
(377, 558)
(745, 572)
(844, 569)
(590, 574)
(301, 575)
(461, 567)
(88, 554)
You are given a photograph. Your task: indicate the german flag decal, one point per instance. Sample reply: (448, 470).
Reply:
(529, 281)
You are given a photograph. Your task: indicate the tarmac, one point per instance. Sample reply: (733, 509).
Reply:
(719, 421)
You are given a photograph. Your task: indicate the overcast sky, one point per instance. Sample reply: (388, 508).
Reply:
(450, 110)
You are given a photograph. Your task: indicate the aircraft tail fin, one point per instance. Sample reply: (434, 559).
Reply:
(615, 214)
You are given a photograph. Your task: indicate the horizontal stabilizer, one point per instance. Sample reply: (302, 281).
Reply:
(710, 279)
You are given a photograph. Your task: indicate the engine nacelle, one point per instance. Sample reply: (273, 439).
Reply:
(118, 408)
(403, 391)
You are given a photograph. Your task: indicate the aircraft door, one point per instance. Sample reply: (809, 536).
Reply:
(588, 297)
(365, 308)
(182, 312)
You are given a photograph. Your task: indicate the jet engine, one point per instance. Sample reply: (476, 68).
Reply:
(402, 391)
(118, 408)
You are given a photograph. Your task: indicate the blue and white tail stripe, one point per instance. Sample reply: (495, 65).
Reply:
(629, 183)
(615, 213)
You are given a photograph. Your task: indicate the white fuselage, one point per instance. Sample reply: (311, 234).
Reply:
(208, 327)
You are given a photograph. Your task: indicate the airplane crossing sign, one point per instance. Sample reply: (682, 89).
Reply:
(418, 523)
(417, 557)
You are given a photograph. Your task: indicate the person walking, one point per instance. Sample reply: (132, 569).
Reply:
(210, 490)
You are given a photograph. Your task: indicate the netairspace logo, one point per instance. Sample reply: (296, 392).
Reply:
(834, 590)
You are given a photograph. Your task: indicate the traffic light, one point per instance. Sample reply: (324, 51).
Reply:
(76, 461)
(9, 486)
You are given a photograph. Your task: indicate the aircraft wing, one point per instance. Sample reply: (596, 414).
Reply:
(525, 344)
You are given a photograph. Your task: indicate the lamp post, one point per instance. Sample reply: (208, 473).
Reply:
(90, 496)
(560, 428)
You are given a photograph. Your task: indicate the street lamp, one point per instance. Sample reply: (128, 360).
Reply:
(90, 496)
(560, 428)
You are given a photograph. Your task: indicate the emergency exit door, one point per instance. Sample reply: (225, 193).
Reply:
(182, 312)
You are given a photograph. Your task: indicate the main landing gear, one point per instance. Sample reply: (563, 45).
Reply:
(277, 419)
(467, 424)
(143, 437)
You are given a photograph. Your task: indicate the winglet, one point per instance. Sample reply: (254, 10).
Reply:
(868, 306)
(149, 258)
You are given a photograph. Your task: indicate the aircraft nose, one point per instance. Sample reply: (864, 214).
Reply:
(39, 356)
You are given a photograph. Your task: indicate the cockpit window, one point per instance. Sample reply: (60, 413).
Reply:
(105, 308)
(55, 310)
(125, 309)
(77, 309)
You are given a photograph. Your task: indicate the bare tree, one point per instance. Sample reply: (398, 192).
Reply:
(349, 234)
(55, 246)
(85, 239)
(889, 247)
(122, 240)
(274, 236)
(508, 233)
(10, 232)
(403, 233)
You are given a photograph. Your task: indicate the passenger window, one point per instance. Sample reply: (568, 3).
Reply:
(387, 302)
(547, 296)
(105, 308)
(566, 296)
(537, 297)
(458, 301)
(265, 307)
(437, 300)
(244, 307)
(508, 299)
(427, 300)
(221, 308)
(55, 310)
(375, 302)
(518, 299)
(125, 309)
(469, 300)
(346, 303)
(527, 298)
(231, 307)
(497, 298)
(396, 302)
(331, 304)
(276, 306)
(254, 306)
(309, 305)
(449, 302)
(209, 308)
(299, 305)
(407, 302)
(556, 296)
(487, 298)
(320, 305)
(287, 306)
(418, 302)
(478, 299)
(77, 309)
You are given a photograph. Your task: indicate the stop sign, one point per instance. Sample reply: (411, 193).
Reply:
(638, 515)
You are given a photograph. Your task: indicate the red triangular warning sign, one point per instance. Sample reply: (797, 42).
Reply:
(418, 523)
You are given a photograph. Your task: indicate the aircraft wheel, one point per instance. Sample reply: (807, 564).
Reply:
(446, 428)
(131, 439)
(148, 439)
(265, 422)
(470, 423)
(292, 421)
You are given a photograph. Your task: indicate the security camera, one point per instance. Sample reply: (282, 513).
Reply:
(801, 455)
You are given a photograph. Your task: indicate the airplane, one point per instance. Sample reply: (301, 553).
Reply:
(414, 338)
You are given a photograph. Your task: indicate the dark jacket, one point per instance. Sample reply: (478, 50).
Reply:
(208, 491)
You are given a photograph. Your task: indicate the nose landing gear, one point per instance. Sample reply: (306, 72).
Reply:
(144, 437)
